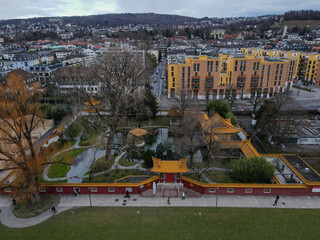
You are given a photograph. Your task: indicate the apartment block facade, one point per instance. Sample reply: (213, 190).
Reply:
(241, 76)
(308, 64)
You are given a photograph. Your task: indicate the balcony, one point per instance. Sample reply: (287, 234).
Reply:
(195, 86)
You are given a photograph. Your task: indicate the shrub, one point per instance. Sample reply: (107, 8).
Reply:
(147, 158)
(252, 170)
(218, 106)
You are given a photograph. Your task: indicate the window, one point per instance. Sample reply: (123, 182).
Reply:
(93, 189)
(129, 189)
(42, 189)
(248, 190)
(194, 67)
(230, 190)
(7, 190)
(59, 189)
(212, 190)
(267, 190)
(172, 68)
(172, 74)
(173, 84)
(111, 189)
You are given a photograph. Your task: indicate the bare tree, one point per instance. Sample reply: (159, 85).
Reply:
(122, 76)
(232, 96)
(256, 101)
(182, 101)
(279, 117)
(189, 134)
(94, 168)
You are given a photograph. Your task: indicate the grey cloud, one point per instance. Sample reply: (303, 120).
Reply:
(195, 8)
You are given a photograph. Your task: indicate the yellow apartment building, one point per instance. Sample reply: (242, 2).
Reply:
(220, 77)
(308, 64)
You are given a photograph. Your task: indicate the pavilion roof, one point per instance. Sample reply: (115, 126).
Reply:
(138, 132)
(165, 166)
(217, 124)
(93, 102)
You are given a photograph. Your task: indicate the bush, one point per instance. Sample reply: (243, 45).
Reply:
(232, 116)
(73, 130)
(252, 170)
(147, 158)
(218, 106)
(57, 112)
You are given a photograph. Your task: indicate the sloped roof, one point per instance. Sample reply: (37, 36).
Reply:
(138, 132)
(217, 124)
(21, 73)
(93, 102)
(164, 166)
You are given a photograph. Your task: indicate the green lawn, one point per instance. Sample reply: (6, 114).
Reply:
(101, 164)
(60, 170)
(174, 223)
(124, 162)
(218, 176)
(113, 175)
(92, 134)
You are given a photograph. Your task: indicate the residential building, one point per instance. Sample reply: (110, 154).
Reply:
(44, 73)
(27, 77)
(25, 61)
(241, 76)
(46, 57)
(307, 69)
(89, 57)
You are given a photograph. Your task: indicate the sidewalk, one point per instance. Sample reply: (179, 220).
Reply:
(69, 201)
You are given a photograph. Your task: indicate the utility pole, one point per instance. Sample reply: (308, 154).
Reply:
(217, 196)
(89, 188)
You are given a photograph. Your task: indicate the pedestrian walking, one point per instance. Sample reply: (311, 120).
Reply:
(127, 194)
(14, 201)
(168, 201)
(276, 201)
(75, 191)
(53, 209)
(183, 196)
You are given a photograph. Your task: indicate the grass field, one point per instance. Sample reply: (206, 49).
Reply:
(126, 163)
(174, 223)
(297, 23)
(113, 175)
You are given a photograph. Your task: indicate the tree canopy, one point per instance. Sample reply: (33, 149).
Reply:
(218, 106)
(252, 170)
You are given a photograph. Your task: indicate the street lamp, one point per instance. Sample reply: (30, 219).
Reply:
(217, 195)
(89, 188)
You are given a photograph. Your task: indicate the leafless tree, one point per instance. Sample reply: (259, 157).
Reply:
(121, 76)
(279, 117)
(189, 134)
(183, 101)
(232, 96)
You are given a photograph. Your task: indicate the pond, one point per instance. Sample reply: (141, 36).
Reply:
(162, 136)
(82, 164)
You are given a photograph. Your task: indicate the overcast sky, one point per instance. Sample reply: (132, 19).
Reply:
(194, 8)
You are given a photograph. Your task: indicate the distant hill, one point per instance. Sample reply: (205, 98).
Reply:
(302, 15)
(113, 20)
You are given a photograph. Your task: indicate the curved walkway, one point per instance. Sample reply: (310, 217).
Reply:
(8, 219)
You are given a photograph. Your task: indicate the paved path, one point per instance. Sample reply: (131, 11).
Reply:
(70, 201)
(8, 219)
